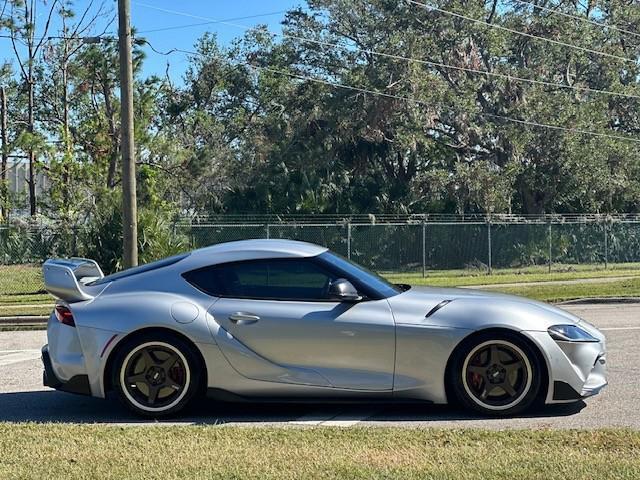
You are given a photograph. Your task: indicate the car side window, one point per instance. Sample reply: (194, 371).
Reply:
(274, 279)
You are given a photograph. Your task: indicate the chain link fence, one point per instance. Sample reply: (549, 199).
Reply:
(416, 245)
(391, 243)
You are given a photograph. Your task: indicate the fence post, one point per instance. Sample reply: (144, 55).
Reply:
(489, 243)
(349, 240)
(606, 246)
(550, 259)
(268, 231)
(424, 248)
(74, 240)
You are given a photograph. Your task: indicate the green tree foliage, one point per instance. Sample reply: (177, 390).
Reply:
(279, 141)
(284, 124)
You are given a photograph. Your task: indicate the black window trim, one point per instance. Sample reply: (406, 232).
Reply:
(326, 268)
(368, 292)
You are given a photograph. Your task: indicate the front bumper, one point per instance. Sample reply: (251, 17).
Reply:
(77, 384)
(577, 370)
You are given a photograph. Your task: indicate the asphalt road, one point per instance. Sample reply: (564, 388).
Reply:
(22, 397)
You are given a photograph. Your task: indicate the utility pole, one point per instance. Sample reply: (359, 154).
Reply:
(129, 202)
(5, 153)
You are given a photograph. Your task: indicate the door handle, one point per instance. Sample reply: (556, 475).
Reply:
(243, 318)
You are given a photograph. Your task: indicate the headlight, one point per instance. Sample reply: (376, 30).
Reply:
(570, 333)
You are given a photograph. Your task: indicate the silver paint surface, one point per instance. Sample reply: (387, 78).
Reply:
(381, 348)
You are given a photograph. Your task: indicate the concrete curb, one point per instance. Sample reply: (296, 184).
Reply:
(24, 319)
(601, 301)
(22, 327)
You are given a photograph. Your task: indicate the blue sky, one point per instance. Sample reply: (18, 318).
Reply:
(159, 14)
(144, 18)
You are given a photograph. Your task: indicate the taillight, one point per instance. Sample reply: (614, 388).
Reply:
(64, 315)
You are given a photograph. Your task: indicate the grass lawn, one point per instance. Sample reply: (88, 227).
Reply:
(20, 279)
(557, 293)
(34, 451)
(22, 290)
(627, 286)
(470, 277)
(26, 310)
(24, 298)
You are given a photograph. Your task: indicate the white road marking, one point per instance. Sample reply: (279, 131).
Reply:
(150, 423)
(618, 328)
(313, 418)
(18, 357)
(19, 351)
(349, 419)
(343, 419)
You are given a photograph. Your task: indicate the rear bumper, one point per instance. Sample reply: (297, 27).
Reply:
(77, 384)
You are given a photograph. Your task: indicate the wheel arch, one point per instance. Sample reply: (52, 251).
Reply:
(541, 357)
(106, 373)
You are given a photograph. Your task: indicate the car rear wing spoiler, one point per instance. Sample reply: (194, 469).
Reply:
(65, 278)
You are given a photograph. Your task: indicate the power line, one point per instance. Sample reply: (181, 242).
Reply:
(421, 102)
(207, 20)
(464, 69)
(410, 59)
(108, 35)
(529, 123)
(524, 34)
(555, 11)
(84, 39)
(210, 22)
(166, 52)
(176, 27)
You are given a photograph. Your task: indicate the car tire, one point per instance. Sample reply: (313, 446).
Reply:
(156, 374)
(497, 374)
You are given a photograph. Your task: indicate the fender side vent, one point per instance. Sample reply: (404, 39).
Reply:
(437, 307)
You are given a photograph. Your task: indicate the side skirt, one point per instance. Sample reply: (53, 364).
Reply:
(221, 395)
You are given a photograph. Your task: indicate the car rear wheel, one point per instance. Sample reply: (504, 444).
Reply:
(496, 374)
(156, 375)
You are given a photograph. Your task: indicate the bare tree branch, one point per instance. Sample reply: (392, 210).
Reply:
(46, 28)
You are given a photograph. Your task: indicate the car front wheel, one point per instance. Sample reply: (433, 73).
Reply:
(156, 375)
(496, 375)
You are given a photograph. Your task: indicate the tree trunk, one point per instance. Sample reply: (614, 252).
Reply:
(532, 201)
(113, 154)
(31, 153)
(66, 172)
(5, 154)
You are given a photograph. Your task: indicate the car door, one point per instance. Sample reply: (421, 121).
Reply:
(275, 322)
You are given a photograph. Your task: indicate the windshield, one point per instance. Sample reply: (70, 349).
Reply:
(371, 280)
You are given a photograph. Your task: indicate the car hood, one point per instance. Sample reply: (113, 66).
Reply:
(470, 308)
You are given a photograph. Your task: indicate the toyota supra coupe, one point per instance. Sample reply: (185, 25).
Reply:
(281, 320)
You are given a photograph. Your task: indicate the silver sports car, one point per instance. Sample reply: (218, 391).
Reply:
(281, 320)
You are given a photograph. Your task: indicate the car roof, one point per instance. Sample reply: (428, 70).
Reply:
(214, 255)
(262, 248)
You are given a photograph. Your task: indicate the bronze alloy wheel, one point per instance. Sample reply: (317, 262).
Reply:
(156, 374)
(496, 374)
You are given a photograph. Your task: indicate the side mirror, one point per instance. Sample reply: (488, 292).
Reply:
(344, 291)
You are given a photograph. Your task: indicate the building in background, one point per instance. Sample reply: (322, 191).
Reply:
(17, 176)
